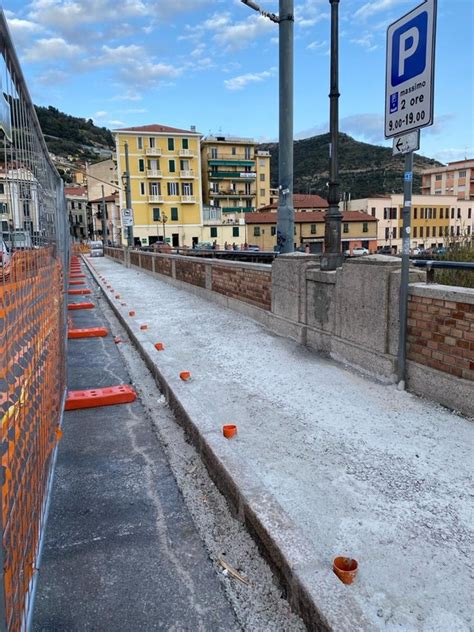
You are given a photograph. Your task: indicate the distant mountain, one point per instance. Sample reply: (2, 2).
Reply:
(73, 136)
(365, 169)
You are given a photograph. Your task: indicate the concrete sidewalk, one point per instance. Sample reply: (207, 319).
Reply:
(357, 468)
(121, 552)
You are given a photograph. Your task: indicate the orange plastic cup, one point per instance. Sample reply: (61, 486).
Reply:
(229, 431)
(185, 375)
(345, 568)
(159, 346)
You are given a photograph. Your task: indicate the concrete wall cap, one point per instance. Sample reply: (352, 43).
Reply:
(385, 260)
(443, 292)
(299, 255)
(314, 274)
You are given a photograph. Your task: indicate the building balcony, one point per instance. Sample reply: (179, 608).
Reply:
(153, 151)
(227, 162)
(186, 153)
(154, 173)
(233, 175)
(238, 209)
(188, 199)
(211, 215)
(231, 194)
(155, 199)
(187, 173)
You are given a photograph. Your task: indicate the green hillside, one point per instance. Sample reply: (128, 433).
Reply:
(73, 136)
(365, 169)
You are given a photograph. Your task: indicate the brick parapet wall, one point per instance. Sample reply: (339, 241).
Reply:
(193, 272)
(251, 286)
(247, 282)
(441, 329)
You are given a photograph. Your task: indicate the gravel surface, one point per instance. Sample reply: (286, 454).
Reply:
(365, 470)
(259, 606)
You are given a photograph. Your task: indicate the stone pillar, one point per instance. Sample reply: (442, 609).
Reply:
(289, 285)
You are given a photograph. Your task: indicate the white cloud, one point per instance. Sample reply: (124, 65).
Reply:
(241, 34)
(366, 41)
(376, 6)
(238, 83)
(317, 45)
(52, 77)
(23, 30)
(129, 95)
(51, 48)
(228, 34)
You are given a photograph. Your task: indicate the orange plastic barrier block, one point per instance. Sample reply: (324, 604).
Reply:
(81, 306)
(76, 282)
(74, 275)
(93, 332)
(92, 398)
(81, 291)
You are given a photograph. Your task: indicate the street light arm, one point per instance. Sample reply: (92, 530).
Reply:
(266, 14)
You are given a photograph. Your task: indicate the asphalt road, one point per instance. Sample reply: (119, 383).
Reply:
(121, 550)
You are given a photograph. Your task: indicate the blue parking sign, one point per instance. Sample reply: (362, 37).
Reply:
(410, 71)
(409, 49)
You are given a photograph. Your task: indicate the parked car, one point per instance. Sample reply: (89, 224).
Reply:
(385, 250)
(356, 252)
(4, 254)
(97, 249)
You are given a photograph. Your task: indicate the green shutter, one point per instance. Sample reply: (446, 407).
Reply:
(172, 164)
(171, 144)
(141, 165)
(174, 214)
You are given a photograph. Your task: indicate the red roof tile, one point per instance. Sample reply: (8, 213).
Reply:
(156, 128)
(75, 191)
(107, 198)
(301, 200)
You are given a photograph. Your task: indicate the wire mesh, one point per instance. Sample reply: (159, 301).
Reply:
(33, 260)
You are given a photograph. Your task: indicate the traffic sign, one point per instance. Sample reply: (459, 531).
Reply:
(409, 82)
(407, 142)
(127, 217)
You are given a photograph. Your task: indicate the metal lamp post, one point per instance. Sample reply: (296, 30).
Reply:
(286, 212)
(332, 257)
(164, 219)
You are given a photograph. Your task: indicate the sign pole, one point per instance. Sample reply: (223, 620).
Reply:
(128, 194)
(407, 196)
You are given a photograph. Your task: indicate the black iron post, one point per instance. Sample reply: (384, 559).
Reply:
(332, 257)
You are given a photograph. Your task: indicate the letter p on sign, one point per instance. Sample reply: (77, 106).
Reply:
(409, 50)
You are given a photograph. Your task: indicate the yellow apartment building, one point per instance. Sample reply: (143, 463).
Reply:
(235, 175)
(165, 174)
(435, 219)
(457, 178)
(358, 229)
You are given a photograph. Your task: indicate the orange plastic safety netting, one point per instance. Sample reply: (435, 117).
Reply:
(32, 384)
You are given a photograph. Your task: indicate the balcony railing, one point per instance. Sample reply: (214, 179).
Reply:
(231, 194)
(238, 175)
(186, 173)
(154, 173)
(153, 151)
(188, 199)
(186, 153)
(155, 199)
(211, 215)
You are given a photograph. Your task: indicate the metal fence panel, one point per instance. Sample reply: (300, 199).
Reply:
(33, 262)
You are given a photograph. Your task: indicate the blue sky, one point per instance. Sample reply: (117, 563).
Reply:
(213, 64)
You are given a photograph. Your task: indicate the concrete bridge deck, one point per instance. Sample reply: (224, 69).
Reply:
(330, 462)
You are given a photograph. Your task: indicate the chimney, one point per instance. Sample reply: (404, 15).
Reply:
(193, 128)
